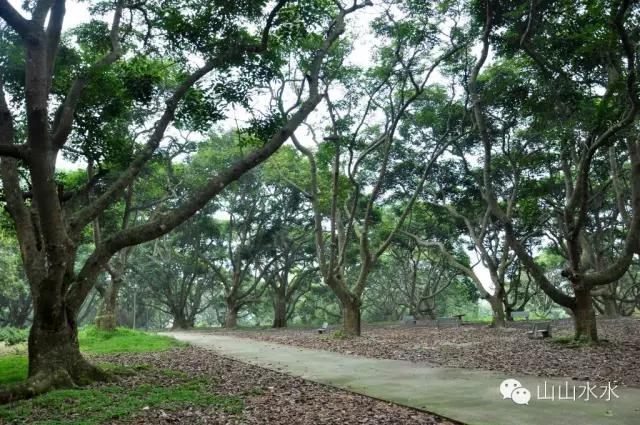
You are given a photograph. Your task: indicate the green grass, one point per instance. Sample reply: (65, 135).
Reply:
(12, 369)
(92, 341)
(570, 341)
(89, 406)
(484, 320)
(340, 335)
(99, 405)
(123, 340)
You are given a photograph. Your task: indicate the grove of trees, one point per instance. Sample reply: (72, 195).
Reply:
(184, 163)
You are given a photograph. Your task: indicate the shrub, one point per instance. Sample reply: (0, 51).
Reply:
(13, 336)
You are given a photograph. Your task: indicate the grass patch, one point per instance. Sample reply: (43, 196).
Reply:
(170, 373)
(479, 320)
(92, 341)
(100, 405)
(340, 335)
(12, 369)
(120, 370)
(123, 340)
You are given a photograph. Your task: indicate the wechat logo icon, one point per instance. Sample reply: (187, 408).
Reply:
(513, 389)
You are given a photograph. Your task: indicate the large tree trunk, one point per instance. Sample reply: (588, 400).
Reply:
(53, 340)
(508, 310)
(609, 302)
(55, 360)
(106, 316)
(497, 309)
(585, 317)
(426, 307)
(231, 318)
(280, 311)
(182, 322)
(351, 315)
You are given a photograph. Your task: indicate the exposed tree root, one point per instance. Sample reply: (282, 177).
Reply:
(37, 384)
(85, 373)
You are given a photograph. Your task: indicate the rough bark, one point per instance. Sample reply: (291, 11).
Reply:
(231, 317)
(351, 319)
(182, 322)
(585, 317)
(498, 317)
(279, 310)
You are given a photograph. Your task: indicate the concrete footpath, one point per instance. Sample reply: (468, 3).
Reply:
(465, 395)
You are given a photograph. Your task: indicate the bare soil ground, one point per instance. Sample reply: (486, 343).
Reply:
(269, 397)
(509, 350)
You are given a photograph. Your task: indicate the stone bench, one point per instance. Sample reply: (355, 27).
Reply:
(540, 330)
(409, 319)
(324, 328)
(448, 322)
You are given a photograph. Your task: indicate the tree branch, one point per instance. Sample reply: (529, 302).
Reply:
(65, 119)
(16, 21)
(167, 222)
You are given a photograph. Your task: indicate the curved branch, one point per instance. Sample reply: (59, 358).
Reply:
(169, 221)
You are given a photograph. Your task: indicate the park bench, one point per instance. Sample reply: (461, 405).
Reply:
(448, 322)
(324, 328)
(409, 319)
(540, 330)
(520, 315)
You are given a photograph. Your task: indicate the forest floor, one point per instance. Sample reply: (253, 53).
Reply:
(474, 346)
(191, 385)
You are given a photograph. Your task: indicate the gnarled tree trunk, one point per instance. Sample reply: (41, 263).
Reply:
(231, 317)
(585, 317)
(182, 322)
(351, 314)
(498, 319)
(54, 354)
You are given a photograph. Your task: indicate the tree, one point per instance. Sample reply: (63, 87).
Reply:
(173, 275)
(222, 39)
(15, 299)
(294, 268)
(106, 316)
(583, 127)
(291, 245)
(238, 257)
(425, 277)
(360, 150)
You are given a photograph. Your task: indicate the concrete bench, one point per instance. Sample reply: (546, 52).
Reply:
(540, 330)
(324, 328)
(409, 319)
(520, 315)
(448, 322)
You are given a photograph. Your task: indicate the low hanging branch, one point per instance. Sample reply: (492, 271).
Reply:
(166, 222)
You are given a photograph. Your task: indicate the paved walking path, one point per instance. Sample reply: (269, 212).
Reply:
(465, 395)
